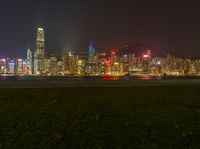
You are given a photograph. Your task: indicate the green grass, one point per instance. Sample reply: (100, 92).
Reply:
(100, 118)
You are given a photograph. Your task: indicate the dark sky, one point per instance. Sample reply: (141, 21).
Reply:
(71, 24)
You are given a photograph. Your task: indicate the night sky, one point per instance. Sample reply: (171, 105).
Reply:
(71, 24)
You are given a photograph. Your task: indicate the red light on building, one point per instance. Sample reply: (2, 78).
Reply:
(145, 56)
(113, 53)
(107, 62)
(3, 60)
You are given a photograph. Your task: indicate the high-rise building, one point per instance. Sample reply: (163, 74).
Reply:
(19, 66)
(2, 65)
(60, 68)
(102, 57)
(69, 62)
(29, 66)
(47, 65)
(125, 63)
(92, 51)
(146, 61)
(91, 66)
(11, 67)
(39, 56)
(53, 64)
(149, 53)
(82, 59)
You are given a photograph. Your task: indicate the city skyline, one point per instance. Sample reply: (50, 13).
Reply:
(116, 62)
(168, 27)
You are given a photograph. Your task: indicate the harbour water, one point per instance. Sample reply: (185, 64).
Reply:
(87, 81)
(104, 78)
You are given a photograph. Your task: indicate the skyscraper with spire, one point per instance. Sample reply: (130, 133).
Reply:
(92, 51)
(91, 66)
(39, 55)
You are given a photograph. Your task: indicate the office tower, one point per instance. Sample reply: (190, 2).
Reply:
(69, 62)
(132, 62)
(91, 53)
(82, 58)
(53, 64)
(149, 54)
(102, 57)
(19, 66)
(115, 66)
(91, 66)
(107, 64)
(80, 67)
(11, 67)
(114, 57)
(29, 62)
(39, 56)
(60, 68)
(125, 63)
(147, 61)
(65, 58)
(47, 65)
(2, 65)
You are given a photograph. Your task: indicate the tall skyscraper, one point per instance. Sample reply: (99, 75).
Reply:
(91, 53)
(91, 66)
(29, 66)
(39, 56)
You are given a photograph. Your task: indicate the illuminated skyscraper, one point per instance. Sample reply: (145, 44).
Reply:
(20, 66)
(29, 62)
(125, 63)
(53, 64)
(91, 53)
(11, 67)
(39, 56)
(146, 61)
(69, 62)
(91, 66)
(2, 65)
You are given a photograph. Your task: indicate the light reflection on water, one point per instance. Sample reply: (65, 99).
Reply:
(9, 78)
(94, 78)
(146, 78)
(111, 78)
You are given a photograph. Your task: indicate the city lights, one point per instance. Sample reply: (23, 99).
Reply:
(113, 53)
(96, 63)
(146, 56)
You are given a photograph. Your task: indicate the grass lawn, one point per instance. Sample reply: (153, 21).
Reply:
(100, 118)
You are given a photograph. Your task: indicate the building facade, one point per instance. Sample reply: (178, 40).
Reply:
(39, 56)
